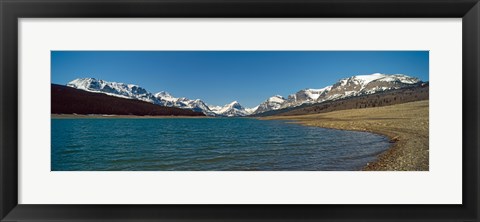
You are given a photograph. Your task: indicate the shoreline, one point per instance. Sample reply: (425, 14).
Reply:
(106, 116)
(406, 126)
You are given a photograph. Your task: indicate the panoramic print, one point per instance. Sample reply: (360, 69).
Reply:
(239, 110)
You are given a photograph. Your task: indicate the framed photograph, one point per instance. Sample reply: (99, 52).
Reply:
(225, 110)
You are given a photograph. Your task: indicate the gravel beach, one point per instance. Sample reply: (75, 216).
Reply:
(407, 126)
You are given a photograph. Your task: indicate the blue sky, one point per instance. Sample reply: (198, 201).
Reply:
(219, 77)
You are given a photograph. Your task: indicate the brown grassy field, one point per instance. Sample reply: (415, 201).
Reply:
(405, 124)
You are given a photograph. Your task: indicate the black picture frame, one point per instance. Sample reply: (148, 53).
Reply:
(12, 10)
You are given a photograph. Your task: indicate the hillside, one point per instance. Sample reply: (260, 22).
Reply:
(67, 100)
(391, 97)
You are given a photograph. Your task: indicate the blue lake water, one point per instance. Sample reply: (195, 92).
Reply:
(207, 144)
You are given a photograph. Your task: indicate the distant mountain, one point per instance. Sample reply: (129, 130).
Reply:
(131, 91)
(163, 98)
(233, 109)
(68, 100)
(305, 96)
(367, 84)
(272, 103)
(215, 109)
(344, 88)
(197, 105)
(128, 91)
(416, 92)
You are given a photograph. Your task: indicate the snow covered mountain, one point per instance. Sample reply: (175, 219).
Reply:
(367, 84)
(305, 96)
(215, 109)
(130, 91)
(162, 98)
(272, 103)
(347, 87)
(233, 109)
(196, 105)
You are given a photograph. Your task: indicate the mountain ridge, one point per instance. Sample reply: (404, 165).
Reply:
(68, 100)
(344, 88)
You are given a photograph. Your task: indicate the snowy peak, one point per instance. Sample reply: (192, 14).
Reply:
(215, 109)
(92, 84)
(306, 96)
(378, 77)
(234, 105)
(276, 99)
(101, 85)
(314, 94)
(368, 84)
(129, 91)
(196, 105)
(364, 79)
(346, 87)
(232, 109)
(272, 103)
(164, 94)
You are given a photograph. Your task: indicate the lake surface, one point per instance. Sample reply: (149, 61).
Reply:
(207, 144)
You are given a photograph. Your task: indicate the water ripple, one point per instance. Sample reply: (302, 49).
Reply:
(206, 144)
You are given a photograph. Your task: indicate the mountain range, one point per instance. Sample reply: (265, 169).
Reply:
(68, 100)
(344, 88)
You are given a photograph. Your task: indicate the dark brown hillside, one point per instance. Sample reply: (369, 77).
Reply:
(386, 98)
(67, 100)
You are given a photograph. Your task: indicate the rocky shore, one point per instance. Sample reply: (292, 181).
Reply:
(407, 126)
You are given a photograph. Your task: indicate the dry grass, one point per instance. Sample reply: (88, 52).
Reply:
(405, 124)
